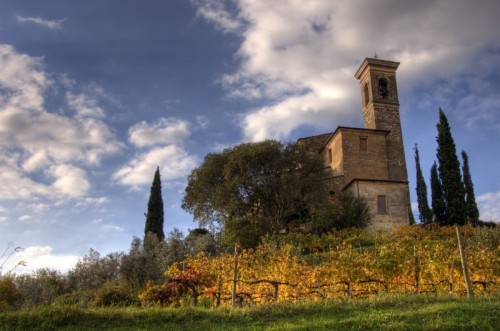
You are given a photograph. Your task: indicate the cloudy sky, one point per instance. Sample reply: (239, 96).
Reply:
(94, 95)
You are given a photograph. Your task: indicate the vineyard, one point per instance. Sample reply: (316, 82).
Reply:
(342, 265)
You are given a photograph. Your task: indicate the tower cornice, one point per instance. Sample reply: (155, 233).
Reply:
(376, 64)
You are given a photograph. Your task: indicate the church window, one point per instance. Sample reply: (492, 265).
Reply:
(381, 204)
(382, 88)
(367, 95)
(330, 157)
(363, 144)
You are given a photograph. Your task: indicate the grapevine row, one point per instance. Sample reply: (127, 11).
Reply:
(345, 264)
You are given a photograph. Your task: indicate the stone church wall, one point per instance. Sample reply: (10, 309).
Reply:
(396, 197)
(364, 154)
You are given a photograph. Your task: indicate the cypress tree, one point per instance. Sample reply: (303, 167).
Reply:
(470, 198)
(438, 202)
(154, 217)
(449, 173)
(423, 205)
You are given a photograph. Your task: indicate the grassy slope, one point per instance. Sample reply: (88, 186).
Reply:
(395, 313)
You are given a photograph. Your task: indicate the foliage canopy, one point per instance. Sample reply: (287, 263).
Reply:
(449, 173)
(423, 205)
(154, 217)
(254, 189)
(470, 198)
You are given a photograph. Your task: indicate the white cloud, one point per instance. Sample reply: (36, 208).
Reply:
(161, 142)
(24, 218)
(174, 162)
(39, 208)
(37, 160)
(489, 208)
(15, 185)
(22, 77)
(293, 52)
(84, 105)
(279, 120)
(69, 180)
(165, 131)
(50, 24)
(202, 121)
(111, 227)
(37, 257)
(33, 138)
(217, 11)
(89, 201)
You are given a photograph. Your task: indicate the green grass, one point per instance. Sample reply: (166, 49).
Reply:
(416, 312)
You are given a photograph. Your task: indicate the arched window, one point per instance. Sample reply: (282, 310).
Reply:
(367, 94)
(382, 88)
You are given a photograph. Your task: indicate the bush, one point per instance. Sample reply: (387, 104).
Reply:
(114, 295)
(9, 295)
(40, 287)
(146, 260)
(346, 212)
(75, 298)
(180, 290)
(167, 294)
(93, 271)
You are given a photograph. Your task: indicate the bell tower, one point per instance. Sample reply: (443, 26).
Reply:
(379, 95)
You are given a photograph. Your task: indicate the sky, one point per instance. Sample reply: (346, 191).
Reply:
(94, 95)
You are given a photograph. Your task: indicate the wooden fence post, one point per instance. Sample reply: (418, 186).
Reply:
(275, 297)
(235, 276)
(417, 269)
(219, 286)
(468, 283)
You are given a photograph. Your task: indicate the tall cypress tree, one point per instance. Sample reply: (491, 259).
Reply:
(449, 173)
(470, 198)
(423, 205)
(154, 217)
(438, 202)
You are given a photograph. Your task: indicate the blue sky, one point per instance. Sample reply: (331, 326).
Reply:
(95, 94)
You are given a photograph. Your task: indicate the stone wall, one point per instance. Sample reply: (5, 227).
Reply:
(396, 194)
(357, 153)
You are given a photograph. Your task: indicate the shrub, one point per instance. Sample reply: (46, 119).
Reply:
(168, 294)
(75, 298)
(40, 287)
(178, 290)
(346, 212)
(114, 295)
(93, 271)
(9, 295)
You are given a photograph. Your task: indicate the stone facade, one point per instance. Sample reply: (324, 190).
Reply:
(370, 162)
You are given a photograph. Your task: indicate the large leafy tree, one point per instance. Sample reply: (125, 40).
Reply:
(154, 216)
(438, 202)
(254, 189)
(449, 173)
(423, 205)
(470, 198)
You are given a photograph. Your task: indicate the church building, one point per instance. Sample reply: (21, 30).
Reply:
(370, 162)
